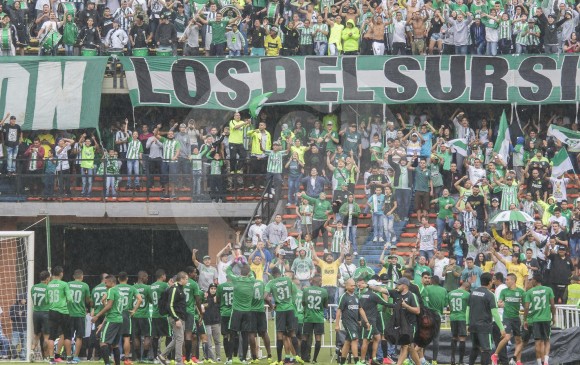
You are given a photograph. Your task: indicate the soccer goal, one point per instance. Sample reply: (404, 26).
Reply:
(17, 273)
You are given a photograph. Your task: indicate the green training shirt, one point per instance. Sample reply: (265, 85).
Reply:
(458, 300)
(298, 307)
(243, 291)
(512, 299)
(145, 291)
(98, 294)
(80, 292)
(539, 298)
(258, 297)
(114, 314)
(225, 294)
(157, 289)
(314, 300)
(281, 289)
(39, 299)
(192, 291)
(58, 296)
(128, 296)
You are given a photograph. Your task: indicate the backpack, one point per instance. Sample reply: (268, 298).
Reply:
(428, 323)
(398, 330)
(163, 304)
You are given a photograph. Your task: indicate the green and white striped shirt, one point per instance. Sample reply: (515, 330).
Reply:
(306, 36)
(320, 37)
(216, 167)
(275, 161)
(134, 148)
(338, 239)
(196, 162)
(505, 29)
(170, 149)
(509, 195)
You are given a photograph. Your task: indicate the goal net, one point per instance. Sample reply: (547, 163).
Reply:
(17, 278)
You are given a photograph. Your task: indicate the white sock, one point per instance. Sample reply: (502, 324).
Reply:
(539, 361)
(546, 359)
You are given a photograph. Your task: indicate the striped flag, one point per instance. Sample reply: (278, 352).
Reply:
(459, 145)
(567, 136)
(561, 163)
(502, 143)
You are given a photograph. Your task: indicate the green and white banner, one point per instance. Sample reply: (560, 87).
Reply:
(231, 83)
(52, 92)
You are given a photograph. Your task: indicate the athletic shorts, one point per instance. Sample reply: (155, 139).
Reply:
(40, 322)
(458, 329)
(513, 326)
(309, 328)
(542, 330)
(299, 328)
(285, 321)
(77, 326)
(127, 328)
(160, 327)
(111, 333)
(352, 330)
(369, 333)
(422, 200)
(190, 325)
(411, 338)
(141, 327)
(382, 323)
(483, 340)
(261, 321)
(242, 321)
(199, 328)
(225, 325)
(58, 324)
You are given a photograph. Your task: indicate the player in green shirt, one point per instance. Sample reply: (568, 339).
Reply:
(159, 325)
(314, 301)
(81, 298)
(540, 311)
(225, 295)
(59, 296)
(131, 300)
(458, 300)
(258, 309)
(298, 312)
(281, 290)
(436, 299)
(194, 321)
(98, 294)
(113, 321)
(511, 298)
(40, 311)
(141, 321)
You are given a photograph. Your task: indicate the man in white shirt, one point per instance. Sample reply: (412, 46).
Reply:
(427, 239)
(476, 173)
(224, 259)
(345, 271)
(47, 26)
(257, 230)
(117, 37)
(437, 264)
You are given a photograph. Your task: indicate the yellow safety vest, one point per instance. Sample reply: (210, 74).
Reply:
(573, 294)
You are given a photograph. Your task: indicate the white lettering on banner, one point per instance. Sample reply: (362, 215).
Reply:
(17, 85)
(58, 92)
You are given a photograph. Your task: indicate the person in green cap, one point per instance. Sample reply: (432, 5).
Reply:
(363, 271)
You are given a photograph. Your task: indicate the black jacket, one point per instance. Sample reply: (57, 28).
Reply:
(177, 304)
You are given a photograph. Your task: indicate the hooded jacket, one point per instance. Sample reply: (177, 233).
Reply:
(350, 37)
(363, 271)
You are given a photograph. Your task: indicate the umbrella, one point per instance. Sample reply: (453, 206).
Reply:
(512, 215)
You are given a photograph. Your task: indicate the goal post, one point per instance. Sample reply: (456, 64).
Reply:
(17, 278)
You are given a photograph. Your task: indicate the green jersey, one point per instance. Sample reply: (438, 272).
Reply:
(539, 299)
(315, 300)
(298, 307)
(512, 300)
(192, 291)
(128, 295)
(258, 297)
(157, 289)
(225, 294)
(436, 298)
(145, 291)
(114, 314)
(58, 296)
(458, 300)
(243, 291)
(281, 289)
(39, 300)
(98, 294)
(80, 292)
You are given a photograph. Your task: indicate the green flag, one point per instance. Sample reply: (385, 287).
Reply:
(502, 143)
(459, 146)
(561, 163)
(257, 103)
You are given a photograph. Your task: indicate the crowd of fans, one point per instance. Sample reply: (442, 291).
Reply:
(284, 27)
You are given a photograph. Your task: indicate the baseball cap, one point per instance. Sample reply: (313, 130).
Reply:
(302, 249)
(206, 257)
(385, 277)
(329, 123)
(281, 252)
(403, 281)
(182, 125)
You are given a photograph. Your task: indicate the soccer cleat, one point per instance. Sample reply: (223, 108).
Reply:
(269, 358)
(299, 359)
(512, 362)
(127, 362)
(387, 360)
(519, 363)
(228, 362)
(194, 360)
(77, 359)
(58, 359)
(494, 359)
(172, 362)
(434, 362)
(162, 359)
